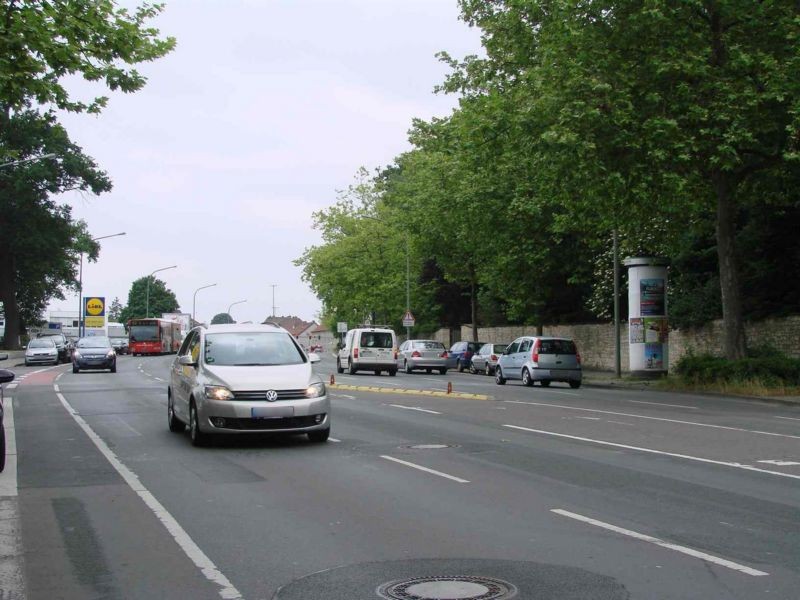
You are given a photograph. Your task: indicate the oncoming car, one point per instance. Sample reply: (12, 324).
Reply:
(244, 378)
(94, 353)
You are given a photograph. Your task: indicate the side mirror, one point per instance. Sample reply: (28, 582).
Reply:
(6, 376)
(186, 361)
(313, 357)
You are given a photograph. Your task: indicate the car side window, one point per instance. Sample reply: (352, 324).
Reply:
(525, 346)
(185, 345)
(194, 348)
(512, 348)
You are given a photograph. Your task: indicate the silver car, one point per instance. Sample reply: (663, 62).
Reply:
(485, 359)
(422, 354)
(41, 351)
(243, 378)
(542, 359)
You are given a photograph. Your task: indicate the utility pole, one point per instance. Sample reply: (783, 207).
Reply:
(274, 285)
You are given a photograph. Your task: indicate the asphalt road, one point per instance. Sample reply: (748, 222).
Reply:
(530, 493)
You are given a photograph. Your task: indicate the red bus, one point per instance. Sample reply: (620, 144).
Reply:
(153, 336)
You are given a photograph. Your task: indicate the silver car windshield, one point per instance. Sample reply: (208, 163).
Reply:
(241, 349)
(41, 344)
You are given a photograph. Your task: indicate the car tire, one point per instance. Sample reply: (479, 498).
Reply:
(352, 368)
(459, 366)
(472, 368)
(545, 383)
(574, 384)
(114, 368)
(174, 423)
(428, 371)
(443, 371)
(27, 364)
(498, 376)
(199, 439)
(392, 372)
(407, 368)
(319, 436)
(378, 372)
(489, 372)
(339, 368)
(75, 368)
(527, 380)
(2, 449)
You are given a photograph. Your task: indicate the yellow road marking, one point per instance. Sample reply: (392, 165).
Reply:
(391, 390)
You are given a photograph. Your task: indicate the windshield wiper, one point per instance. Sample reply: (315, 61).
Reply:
(255, 364)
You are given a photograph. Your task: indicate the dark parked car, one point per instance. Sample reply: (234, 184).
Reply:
(94, 353)
(460, 355)
(62, 343)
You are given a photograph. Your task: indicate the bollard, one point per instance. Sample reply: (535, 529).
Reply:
(333, 381)
(449, 387)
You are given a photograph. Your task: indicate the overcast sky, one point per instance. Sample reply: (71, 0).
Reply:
(265, 109)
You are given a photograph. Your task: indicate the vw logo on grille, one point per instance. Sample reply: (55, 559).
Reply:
(272, 395)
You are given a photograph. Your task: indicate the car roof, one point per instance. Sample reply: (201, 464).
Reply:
(245, 328)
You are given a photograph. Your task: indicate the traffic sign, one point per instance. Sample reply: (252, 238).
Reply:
(408, 319)
(341, 327)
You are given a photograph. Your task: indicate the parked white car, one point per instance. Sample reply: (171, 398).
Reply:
(368, 348)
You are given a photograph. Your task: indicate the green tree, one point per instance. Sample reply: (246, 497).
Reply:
(222, 318)
(115, 311)
(678, 125)
(40, 243)
(162, 299)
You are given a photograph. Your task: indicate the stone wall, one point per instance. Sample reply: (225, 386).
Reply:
(596, 342)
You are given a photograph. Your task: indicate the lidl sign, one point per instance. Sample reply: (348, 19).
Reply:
(94, 307)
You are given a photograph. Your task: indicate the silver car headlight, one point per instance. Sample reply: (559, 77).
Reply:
(218, 392)
(76, 354)
(316, 390)
(110, 354)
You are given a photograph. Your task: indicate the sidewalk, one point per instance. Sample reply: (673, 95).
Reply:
(608, 379)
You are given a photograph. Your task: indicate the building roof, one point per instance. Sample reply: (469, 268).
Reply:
(294, 325)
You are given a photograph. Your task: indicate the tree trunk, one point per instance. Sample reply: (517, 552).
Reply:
(733, 325)
(473, 294)
(8, 296)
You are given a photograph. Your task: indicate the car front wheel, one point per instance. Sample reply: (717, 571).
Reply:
(175, 424)
(319, 436)
(498, 376)
(198, 438)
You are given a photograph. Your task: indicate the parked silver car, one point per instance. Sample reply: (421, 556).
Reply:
(542, 359)
(422, 354)
(485, 359)
(41, 351)
(244, 378)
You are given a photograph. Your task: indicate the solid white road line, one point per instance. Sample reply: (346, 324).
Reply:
(426, 469)
(659, 542)
(651, 451)
(664, 404)
(425, 410)
(788, 418)
(780, 463)
(8, 478)
(620, 414)
(330, 439)
(192, 550)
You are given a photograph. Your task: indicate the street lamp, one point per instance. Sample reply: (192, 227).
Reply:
(149, 277)
(234, 304)
(194, 299)
(80, 277)
(14, 163)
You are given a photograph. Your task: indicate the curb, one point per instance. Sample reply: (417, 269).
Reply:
(408, 392)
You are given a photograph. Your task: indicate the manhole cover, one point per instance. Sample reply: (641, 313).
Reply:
(447, 588)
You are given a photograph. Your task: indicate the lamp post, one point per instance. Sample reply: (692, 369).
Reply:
(194, 299)
(234, 304)
(22, 161)
(149, 277)
(80, 277)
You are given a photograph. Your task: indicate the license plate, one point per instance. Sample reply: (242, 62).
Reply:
(271, 412)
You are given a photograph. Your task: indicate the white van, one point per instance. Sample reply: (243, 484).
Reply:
(368, 348)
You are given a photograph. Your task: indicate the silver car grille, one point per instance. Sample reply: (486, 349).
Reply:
(261, 395)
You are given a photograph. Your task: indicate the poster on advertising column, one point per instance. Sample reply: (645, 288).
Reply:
(651, 297)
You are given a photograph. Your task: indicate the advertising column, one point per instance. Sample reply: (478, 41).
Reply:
(647, 315)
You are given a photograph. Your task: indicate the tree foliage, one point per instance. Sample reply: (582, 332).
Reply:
(42, 44)
(162, 299)
(222, 318)
(115, 311)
